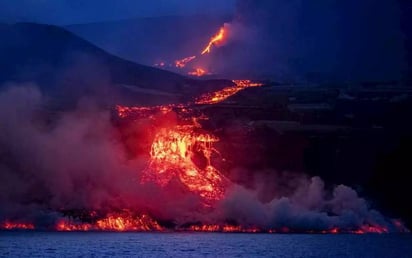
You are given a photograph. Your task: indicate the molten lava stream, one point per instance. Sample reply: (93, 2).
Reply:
(112, 222)
(223, 229)
(172, 156)
(173, 152)
(219, 96)
(199, 72)
(219, 38)
(175, 147)
(183, 62)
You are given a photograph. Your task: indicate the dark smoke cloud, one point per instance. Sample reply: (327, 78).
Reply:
(76, 160)
(317, 41)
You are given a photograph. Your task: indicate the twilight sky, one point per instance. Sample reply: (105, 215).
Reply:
(62, 12)
(335, 39)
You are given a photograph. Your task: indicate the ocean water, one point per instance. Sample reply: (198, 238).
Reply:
(93, 244)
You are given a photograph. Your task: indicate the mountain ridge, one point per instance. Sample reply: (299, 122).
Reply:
(61, 63)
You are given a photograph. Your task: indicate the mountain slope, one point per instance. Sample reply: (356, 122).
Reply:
(62, 64)
(154, 39)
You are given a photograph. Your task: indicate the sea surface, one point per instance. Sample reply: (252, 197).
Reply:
(92, 244)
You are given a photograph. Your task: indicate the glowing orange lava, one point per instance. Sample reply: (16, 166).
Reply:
(113, 222)
(219, 96)
(123, 111)
(224, 229)
(172, 156)
(199, 72)
(174, 148)
(182, 63)
(367, 229)
(10, 225)
(126, 222)
(215, 40)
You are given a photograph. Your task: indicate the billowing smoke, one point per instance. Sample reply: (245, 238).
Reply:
(308, 207)
(78, 160)
(316, 41)
(52, 161)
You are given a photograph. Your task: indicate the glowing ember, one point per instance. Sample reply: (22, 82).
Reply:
(182, 63)
(199, 72)
(367, 229)
(68, 225)
(10, 225)
(224, 228)
(215, 40)
(114, 222)
(219, 96)
(128, 223)
(125, 221)
(123, 111)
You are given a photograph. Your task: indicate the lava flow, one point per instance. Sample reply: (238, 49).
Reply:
(175, 147)
(182, 63)
(112, 222)
(182, 154)
(218, 39)
(199, 72)
(172, 156)
(219, 96)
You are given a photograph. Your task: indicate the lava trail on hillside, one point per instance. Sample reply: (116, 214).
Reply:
(158, 169)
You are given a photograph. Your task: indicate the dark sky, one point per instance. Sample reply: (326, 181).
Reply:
(335, 39)
(62, 12)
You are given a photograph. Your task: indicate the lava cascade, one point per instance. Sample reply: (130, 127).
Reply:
(173, 153)
(174, 147)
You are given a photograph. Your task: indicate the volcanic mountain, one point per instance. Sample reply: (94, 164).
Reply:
(201, 165)
(62, 64)
(152, 39)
